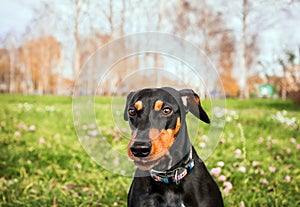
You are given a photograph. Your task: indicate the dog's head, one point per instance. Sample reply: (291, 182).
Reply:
(156, 117)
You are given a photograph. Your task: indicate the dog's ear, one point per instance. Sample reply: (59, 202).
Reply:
(129, 96)
(191, 101)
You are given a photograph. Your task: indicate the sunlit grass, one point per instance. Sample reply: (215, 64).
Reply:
(43, 164)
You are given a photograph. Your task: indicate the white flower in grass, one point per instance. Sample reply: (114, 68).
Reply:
(260, 140)
(287, 178)
(222, 178)
(92, 126)
(227, 187)
(223, 140)
(78, 165)
(42, 140)
(93, 133)
(238, 153)
(205, 138)
(264, 181)
(242, 169)
(202, 144)
(228, 119)
(31, 128)
(293, 140)
(220, 164)
(17, 134)
(219, 112)
(216, 171)
(272, 169)
(255, 163)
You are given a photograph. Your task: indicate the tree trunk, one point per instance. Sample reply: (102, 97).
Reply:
(76, 61)
(244, 93)
(11, 71)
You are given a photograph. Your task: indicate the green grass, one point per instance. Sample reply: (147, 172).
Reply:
(43, 164)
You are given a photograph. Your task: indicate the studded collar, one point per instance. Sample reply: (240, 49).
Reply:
(175, 175)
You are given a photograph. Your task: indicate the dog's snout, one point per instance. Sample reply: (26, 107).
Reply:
(141, 149)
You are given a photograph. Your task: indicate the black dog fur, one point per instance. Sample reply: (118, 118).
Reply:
(160, 142)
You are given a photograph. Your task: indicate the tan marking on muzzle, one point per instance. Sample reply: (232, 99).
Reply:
(163, 140)
(153, 133)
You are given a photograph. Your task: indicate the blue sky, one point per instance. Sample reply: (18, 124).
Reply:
(15, 15)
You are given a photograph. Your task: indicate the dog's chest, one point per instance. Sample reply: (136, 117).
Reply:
(165, 200)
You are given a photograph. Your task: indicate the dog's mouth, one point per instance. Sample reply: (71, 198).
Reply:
(148, 163)
(161, 141)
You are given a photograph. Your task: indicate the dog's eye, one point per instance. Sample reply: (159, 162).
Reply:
(166, 110)
(131, 112)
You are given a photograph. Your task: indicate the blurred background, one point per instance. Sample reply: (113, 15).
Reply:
(46, 45)
(254, 45)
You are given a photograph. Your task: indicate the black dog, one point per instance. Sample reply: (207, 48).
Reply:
(169, 173)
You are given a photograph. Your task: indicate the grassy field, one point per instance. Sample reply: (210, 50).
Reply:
(43, 164)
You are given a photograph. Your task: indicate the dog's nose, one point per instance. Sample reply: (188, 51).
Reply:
(141, 149)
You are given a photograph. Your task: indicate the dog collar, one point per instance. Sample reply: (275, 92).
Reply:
(175, 175)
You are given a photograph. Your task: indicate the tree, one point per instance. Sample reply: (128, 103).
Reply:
(4, 70)
(290, 81)
(41, 56)
(226, 63)
(257, 16)
(248, 47)
(200, 23)
(11, 48)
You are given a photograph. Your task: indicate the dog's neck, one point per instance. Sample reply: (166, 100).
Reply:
(177, 174)
(180, 162)
(178, 152)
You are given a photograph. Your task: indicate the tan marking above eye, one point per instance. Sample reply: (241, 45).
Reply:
(158, 105)
(138, 105)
